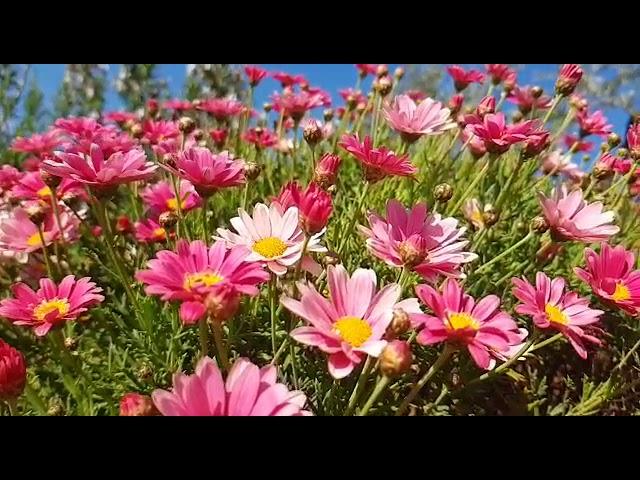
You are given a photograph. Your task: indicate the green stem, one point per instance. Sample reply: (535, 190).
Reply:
(354, 218)
(503, 95)
(379, 388)
(438, 364)
(628, 355)
(471, 186)
(497, 258)
(546, 342)
(221, 350)
(272, 311)
(205, 222)
(506, 189)
(203, 334)
(554, 104)
(45, 254)
(34, 399)
(359, 386)
(56, 213)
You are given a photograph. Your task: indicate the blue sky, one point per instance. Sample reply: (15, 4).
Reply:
(331, 77)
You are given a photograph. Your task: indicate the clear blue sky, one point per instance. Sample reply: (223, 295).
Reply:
(331, 77)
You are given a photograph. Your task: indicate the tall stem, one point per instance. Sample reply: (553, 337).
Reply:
(203, 334)
(272, 311)
(379, 388)
(221, 350)
(497, 258)
(353, 220)
(45, 254)
(471, 186)
(56, 213)
(359, 386)
(554, 104)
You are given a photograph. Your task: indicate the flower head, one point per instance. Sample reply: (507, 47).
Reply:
(287, 80)
(568, 79)
(526, 101)
(576, 144)
(612, 277)
(550, 306)
(377, 162)
(248, 391)
(633, 141)
(414, 121)
(274, 236)
(150, 231)
(13, 372)
(593, 124)
(120, 117)
(457, 318)
(497, 136)
(136, 405)
(260, 137)
(155, 132)
(39, 145)
(556, 163)
(326, 171)
(296, 104)
(570, 217)
(351, 323)
(221, 108)
(178, 105)
(499, 72)
(19, 234)
(255, 74)
(32, 187)
(52, 305)
(366, 69)
(462, 78)
(314, 205)
(160, 197)
(426, 243)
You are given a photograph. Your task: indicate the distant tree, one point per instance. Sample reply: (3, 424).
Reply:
(214, 80)
(83, 90)
(13, 79)
(137, 83)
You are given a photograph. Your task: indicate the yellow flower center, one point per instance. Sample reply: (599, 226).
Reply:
(206, 279)
(555, 315)
(159, 232)
(44, 192)
(477, 217)
(48, 306)
(353, 330)
(462, 321)
(172, 203)
(622, 293)
(34, 240)
(270, 247)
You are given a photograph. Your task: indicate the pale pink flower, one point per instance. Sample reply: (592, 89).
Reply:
(52, 305)
(160, 197)
(612, 277)
(594, 124)
(414, 121)
(274, 237)
(480, 327)
(427, 243)
(19, 234)
(221, 108)
(556, 163)
(570, 217)
(350, 324)
(248, 391)
(550, 306)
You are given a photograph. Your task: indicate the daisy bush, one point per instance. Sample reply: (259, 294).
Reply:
(383, 252)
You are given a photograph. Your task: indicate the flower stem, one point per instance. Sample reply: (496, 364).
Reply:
(45, 254)
(205, 223)
(379, 388)
(497, 258)
(507, 188)
(556, 101)
(203, 334)
(56, 213)
(272, 311)
(34, 399)
(353, 220)
(628, 355)
(438, 364)
(221, 350)
(359, 386)
(471, 186)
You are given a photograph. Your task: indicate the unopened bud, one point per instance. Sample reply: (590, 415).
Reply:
(517, 116)
(539, 224)
(602, 171)
(49, 180)
(331, 258)
(443, 192)
(123, 224)
(351, 102)
(55, 409)
(145, 372)
(252, 170)
(186, 125)
(383, 86)
(382, 70)
(400, 324)
(586, 158)
(71, 343)
(328, 114)
(396, 358)
(604, 147)
(168, 220)
(399, 73)
(312, 132)
(623, 152)
(137, 131)
(198, 134)
(536, 91)
(613, 140)
(267, 107)
(36, 213)
(490, 217)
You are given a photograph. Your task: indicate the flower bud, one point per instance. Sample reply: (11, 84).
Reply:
(49, 180)
(443, 192)
(186, 125)
(328, 115)
(613, 140)
(326, 170)
(383, 86)
(602, 171)
(536, 91)
(123, 224)
(252, 170)
(570, 75)
(395, 359)
(56, 409)
(168, 219)
(13, 372)
(490, 216)
(198, 135)
(145, 372)
(137, 131)
(312, 131)
(539, 224)
(623, 152)
(382, 70)
(267, 107)
(400, 324)
(517, 116)
(222, 302)
(399, 73)
(36, 213)
(71, 343)
(136, 405)
(586, 158)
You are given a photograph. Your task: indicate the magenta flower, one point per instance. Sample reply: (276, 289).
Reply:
(31, 187)
(260, 137)
(365, 69)
(550, 306)
(19, 234)
(351, 323)
(525, 100)
(314, 205)
(274, 237)
(614, 163)
(377, 163)
(413, 121)
(194, 271)
(570, 217)
(255, 74)
(13, 372)
(594, 124)
(326, 171)
(581, 146)
(120, 117)
(97, 172)
(350, 95)
(497, 136)
(221, 108)
(426, 243)
(535, 144)
(296, 104)
(568, 79)
(9, 177)
(499, 72)
(150, 231)
(40, 145)
(160, 197)
(462, 78)
(208, 172)
(633, 141)
(52, 305)
(474, 143)
(612, 277)
(483, 329)
(248, 391)
(178, 105)
(155, 132)
(287, 80)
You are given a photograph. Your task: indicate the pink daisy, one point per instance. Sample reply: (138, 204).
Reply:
(40, 145)
(481, 327)
(594, 124)
(498, 136)
(377, 163)
(287, 80)
(9, 177)
(550, 306)
(462, 78)
(31, 187)
(155, 132)
(19, 234)
(614, 163)
(525, 100)
(150, 231)
(350, 324)
(160, 197)
(499, 72)
(365, 69)
(582, 145)
(52, 305)
(296, 104)
(570, 217)
(94, 170)
(191, 273)
(414, 121)
(568, 79)
(260, 137)
(207, 171)
(221, 108)
(120, 117)
(314, 205)
(177, 105)
(255, 74)
(612, 277)
(274, 237)
(248, 391)
(426, 243)
(556, 163)
(633, 140)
